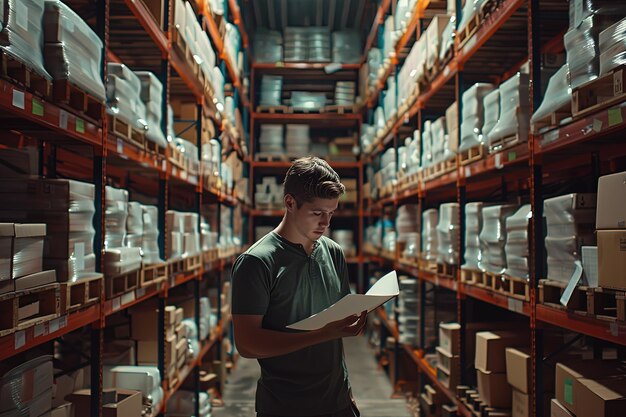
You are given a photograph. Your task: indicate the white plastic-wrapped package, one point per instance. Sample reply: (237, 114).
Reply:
(407, 221)
(493, 237)
(6, 245)
(491, 106)
(440, 144)
(389, 103)
(218, 84)
(427, 145)
(613, 47)
(389, 36)
(271, 90)
(447, 39)
(267, 46)
(379, 119)
(558, 96)
(134, 225)
(150, 235)
(152, 96)
(271, 139)
(514, 112)
(430, 243)
(473, 115)
(374, 62)
(582, 9)
(448, 229)
(232, 43)
(119, 261)
(517, 239)
(72, 50)
(470, 9)
(434, 34)
(25, 384)
(346, 47)
(473, 227)
(123, 92)
(21, 34)
(116, 212)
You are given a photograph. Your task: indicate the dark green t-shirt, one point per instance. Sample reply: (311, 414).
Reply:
(276, 278)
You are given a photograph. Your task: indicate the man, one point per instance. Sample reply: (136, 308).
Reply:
(288, 275)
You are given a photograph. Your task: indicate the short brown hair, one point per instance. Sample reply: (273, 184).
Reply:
(311, 177)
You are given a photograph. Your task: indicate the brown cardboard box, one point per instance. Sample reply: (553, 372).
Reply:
(610, 213)
(170, 316)
(181, 332)
(115, 403)
(450, 338)
(490, 349)
(493, 389)
(566, 374)
(518, 369)
(558, 410)
(452, 117)
(35, 280)
(449, 379)
(144, 324)
(600, 397)
(520, 404)
(612, 259)
(148, 352)
(180, 313)
(446, 361)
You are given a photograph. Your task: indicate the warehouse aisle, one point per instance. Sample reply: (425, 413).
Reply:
(370, 385)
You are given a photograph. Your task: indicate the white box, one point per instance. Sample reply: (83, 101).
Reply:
(611, 205)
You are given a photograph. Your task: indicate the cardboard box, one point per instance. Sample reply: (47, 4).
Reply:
(452, 117)
(610, 211)
(518, 369)
(180, 313)
(600, 397)
(520, 404)
(612, 259)
(450, 338)
(181, 332)
(490, 349)
(446, 361)
(115, 403)
(493, 389)
(170, 315)
(558, 410)
(144, 323)
(35, 280)
(64, 410)
(148, 352)
(448, 379)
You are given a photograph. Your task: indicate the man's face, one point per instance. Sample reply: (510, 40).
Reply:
(313, 218)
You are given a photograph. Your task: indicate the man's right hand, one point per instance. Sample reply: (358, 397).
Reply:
(348, 327)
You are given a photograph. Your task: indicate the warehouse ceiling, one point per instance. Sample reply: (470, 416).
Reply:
(334, 14)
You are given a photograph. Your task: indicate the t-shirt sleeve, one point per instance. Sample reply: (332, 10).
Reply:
(342, 270)
(250, 286)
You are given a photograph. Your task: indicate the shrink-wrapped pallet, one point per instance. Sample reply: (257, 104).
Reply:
(271, 90)
(346, 47)
(448, 229)
(389, 102)
(134, 225)
(514, 113)
(438, 133)
(558, 96)
(430, 242)
(152, 97)
(447, 39)
(613, 47)
(427, 145)
(116, 213)
(493, 238)
(121, 260)
(491, 106)
(123, 91)
(150, 235)
(473, 115)
(434, 36)
(72, 51)
(268, 46)
(26, 390)
(473, 227)
(517, 243)
(21, 34)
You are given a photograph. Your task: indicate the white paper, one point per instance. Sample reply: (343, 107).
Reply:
(573, 282)
(353, 304)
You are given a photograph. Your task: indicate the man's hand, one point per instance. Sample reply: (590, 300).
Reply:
(348, 327)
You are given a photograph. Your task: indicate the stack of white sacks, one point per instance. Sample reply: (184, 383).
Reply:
(152, 97)
(438, 137)
(448, 234)
(427, 145)
(211, 157)
(182, 403)
(389, 103)
(513, 120)
(472, 131)
(430, 241)
(120, 259)
(517, 243)
(473, 226)
(612, 42)
(407, 225)
(347, 46)
(407, 76)
(271, 139)
(72, 51)
(267, 45)
(570, 223)
(435, 41)
(374, 63)
(493, 238)
(344, 93)
(150, 235)
(183, 234)
(124, 96)
(388, 166)
(390, 37)
(271, 90)
(408, 311)
(227, 238)
(189, 151)
(298, 140)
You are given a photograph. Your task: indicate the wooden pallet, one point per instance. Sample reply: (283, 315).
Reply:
(126, 131)
(438, 169)
(446, 269)
(513, 287)
(210, 256)
(115, 286)
(77, 100)
(413, 262)
(273, 109)
(600, 93)
(175, 267)
(506, 143)
(155, 149)
(475, 153)
(551, 121)
(270, 157)
(471, 276)
(153, 274)
(19, 310)
(304, 110)
(468, 31)
(606, 304)
(192, 263)
(550, 293)
(426, 265)
(80, 294)
(20, 73)
(184, 51)
(340, 109)
(176, 157)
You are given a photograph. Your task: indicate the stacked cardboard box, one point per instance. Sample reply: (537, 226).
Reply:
(611, 231)
(448, 354)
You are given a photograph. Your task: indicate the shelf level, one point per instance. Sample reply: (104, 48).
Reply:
(497, 299)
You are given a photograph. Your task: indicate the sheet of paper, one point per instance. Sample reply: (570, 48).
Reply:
(353, 304)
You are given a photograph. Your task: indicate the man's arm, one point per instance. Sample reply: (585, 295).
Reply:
(253, 341)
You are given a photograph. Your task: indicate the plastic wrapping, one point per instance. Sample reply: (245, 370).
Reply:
(268, 46)
(271, 139)
(389, 37)
(232, 43)
(344, 93)
(470, 9)
(152, 97)
(613, 47)
(312, 44)
(346, 47)
(427, 145)
(440, 146)
(473, 227)
(558, 95)
(218, 84)
(389, 102)
(116, 212)
(514, 112)
(119, 261)
(27, 255)
(473, 115)
(374, 62)
(407, 221)
(21, 386)
(22, 35)
(448, 229)
(124, 96)
(433, 34)
(298, 140)
(582, 9)
(6, 244)
(430, 242)
(271, 90)
(447, 39)
(493, 238)
(491, 106)
(72, 50)
(307, 100)
(517, 239)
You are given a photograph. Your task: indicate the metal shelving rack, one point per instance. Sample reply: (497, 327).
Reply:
(582, 147)
(84, 149)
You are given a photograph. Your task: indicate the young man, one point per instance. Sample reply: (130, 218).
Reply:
(288, 275)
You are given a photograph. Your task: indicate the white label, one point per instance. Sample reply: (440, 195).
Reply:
(21, 14)
(164, 165)
(18, 98)
(573, 282)
(20, 339)
(141, 292)
(498, 161)
(40, 330)
(468, 172)
(54, 325)
(618, 86)
(79, 254)
(597, 125)
(129, 297)
(120, 146)
(62, 322)
(116, 303)
(172, 281)
(63, 119)
(516, 306)
(455, 285)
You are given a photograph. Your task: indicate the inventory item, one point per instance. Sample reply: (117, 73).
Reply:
(473, 115)
(430, 242)
(473, 226)
(512, 126)
(493, 238)
(448, 230)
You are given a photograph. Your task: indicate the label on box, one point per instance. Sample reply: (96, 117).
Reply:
(54, 325)
(18, 98)
(618, 86)
(20, 339)
(468, 172)
(21, 14)
(80, 125)
(568, 394)
(516, 306)
(615, 116)
(164, 165)
(116, 303)
(62, 321)
(37, 107)
(129, 297)
(63, 115)
(40, 330)
(498, 161)
(183, 175)
(597, 125)
(79, 254)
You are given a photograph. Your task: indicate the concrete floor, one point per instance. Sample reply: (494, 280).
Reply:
(371, 387)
